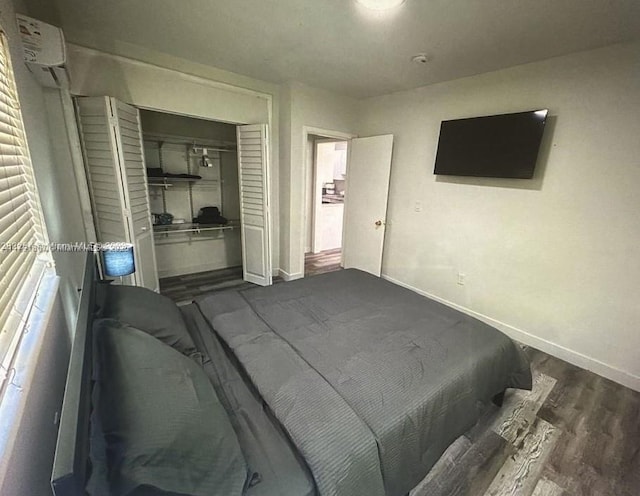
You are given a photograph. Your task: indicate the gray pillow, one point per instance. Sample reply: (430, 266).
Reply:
(150, 312)
(163, 425)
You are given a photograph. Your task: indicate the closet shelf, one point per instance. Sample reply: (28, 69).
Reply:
(167, 182)
(190, 228)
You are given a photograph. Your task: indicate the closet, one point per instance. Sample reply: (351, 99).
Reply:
(191, 195)
(191, 165)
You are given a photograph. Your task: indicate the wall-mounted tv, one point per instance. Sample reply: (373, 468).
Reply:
(493, 146)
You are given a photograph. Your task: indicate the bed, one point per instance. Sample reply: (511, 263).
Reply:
(337, 384)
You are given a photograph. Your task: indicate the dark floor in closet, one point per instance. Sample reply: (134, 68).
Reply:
(183, 289)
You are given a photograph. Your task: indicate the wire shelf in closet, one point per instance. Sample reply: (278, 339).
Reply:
(167, 182)
(192, 228)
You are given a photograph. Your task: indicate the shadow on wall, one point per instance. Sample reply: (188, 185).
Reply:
(44, 10)
(535, 183)
(115, 85)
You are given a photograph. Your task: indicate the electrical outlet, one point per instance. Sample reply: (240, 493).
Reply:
(417, 207)
(461, 278)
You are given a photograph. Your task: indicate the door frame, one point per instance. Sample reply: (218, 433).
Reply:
(322, 133)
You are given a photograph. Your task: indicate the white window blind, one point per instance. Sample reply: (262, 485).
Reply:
(22, 260)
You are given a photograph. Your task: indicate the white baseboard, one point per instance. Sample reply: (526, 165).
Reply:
(589, 363)
(291, 277)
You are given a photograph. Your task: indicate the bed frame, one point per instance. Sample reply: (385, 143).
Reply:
(71, 462)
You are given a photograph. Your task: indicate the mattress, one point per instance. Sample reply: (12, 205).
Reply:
(370, 381)
(277, 468)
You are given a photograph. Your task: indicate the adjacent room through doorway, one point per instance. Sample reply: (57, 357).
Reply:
(326, 188)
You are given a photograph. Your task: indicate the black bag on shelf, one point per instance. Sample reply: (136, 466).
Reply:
(210, 215)
(155, 172)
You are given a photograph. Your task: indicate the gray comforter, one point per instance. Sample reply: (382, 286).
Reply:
(371, 381)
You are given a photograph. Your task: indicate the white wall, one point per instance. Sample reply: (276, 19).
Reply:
(26, 468)
(178, 125)
(304, 107)
(185, 254)
(554, 261)
(190, 90)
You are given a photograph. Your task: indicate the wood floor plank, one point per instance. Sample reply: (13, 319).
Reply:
(443, 468)
(545, 487)
(520, 407)
(484, 423)
(471, 473)
(520, 473)
(592, 463)
(187, 287)
(320, 263)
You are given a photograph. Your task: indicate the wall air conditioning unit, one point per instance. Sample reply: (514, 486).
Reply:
(44, 51)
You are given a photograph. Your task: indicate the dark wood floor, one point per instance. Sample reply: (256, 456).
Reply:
(319, 263)
(574, 434)
(183, 289)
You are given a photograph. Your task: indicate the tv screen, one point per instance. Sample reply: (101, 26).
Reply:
(494, 146)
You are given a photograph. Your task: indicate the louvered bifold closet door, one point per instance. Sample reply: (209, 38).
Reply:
(113, 152)
(22, 234)
(133, 159)
(100, 151)
(254, 202)
(136, 193)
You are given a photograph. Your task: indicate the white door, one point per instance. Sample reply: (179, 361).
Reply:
(253, 156)
(368, 172)
(114, 159)
(131, 153)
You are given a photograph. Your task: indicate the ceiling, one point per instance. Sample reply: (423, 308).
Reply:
(339, 45)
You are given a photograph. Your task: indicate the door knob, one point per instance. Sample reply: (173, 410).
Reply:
(379, 223)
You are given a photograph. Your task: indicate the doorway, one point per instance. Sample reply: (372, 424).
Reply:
(326, 188)
(365, 199)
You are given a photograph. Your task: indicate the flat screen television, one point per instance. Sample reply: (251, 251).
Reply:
(493, 146)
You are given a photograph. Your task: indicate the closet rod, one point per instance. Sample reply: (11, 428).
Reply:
(185, 142)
